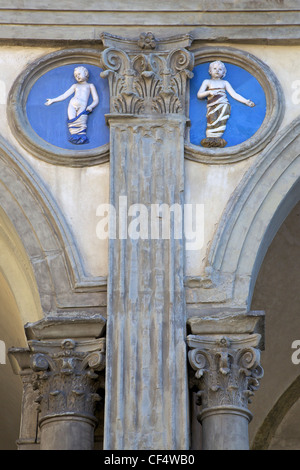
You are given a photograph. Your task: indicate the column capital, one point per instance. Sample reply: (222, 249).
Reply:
(226, 367)
(64, 371)
(145, 79)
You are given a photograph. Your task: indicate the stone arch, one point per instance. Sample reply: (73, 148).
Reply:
(257, 208)
(275, 416)
(34, 222)
(16, 273)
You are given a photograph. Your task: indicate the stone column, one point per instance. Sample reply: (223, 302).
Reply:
(29, 438)
(226, 373)
(63, 377)
(146, 371)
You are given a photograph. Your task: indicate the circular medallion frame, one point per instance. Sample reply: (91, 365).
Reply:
(275, 106)
(20, 125)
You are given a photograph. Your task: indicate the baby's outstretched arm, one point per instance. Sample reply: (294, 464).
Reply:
(62, 97)
(238, 97)
(95, 98)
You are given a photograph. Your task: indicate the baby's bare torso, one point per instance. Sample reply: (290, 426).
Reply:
(215, 84)
(82, 93)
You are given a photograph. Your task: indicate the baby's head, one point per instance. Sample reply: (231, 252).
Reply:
(218, 63)
(82, 71)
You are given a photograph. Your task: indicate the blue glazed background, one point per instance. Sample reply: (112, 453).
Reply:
(243, 121)
(50, 122)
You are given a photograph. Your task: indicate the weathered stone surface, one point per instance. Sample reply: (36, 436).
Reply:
(209, 21)
(62, 379)
(226, 372)
(147, 83)
(146, 305)
(244, 234)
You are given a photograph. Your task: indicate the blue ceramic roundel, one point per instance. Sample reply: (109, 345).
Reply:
(51, 122)
(243, 121)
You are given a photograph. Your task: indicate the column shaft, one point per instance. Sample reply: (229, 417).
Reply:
(146, 371)
(226, 429)
(67, 433)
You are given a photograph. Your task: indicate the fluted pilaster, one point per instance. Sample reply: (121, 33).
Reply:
(146, 374)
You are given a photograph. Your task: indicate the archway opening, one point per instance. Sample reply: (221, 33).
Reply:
(11, 329)
(276, 406)
(19, 304)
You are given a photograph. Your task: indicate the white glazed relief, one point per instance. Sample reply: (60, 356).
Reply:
(215, 90)
(78, 109)
(74, 113)
(243, 111)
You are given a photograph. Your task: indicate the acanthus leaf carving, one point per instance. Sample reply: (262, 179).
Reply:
(66, 376)
(224, 374)
(147, 83)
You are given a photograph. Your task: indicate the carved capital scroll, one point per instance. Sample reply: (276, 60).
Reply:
(226, 371)
(63, 376)
(66, 376)
(147, 82)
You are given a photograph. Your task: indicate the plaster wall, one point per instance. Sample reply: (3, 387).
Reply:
(78, 192)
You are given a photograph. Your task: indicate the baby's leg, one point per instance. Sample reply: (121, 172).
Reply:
(71, 111)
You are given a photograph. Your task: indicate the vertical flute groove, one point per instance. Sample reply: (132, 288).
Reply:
(152, 403)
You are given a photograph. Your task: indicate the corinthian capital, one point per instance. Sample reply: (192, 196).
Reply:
(147, 82)
(66, 376)
(65, 373)
(226, 370)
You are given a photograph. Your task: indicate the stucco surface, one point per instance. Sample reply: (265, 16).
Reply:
(80, 191)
